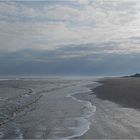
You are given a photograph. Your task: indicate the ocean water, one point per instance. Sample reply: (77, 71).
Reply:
(45, 107)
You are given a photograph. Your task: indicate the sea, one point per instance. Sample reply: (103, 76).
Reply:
(45, 107)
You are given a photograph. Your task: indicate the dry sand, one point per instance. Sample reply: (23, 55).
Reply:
(117, 114)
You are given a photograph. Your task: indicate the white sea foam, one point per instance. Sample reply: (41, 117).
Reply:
(4, 79)
(1, 135)
(78, 130)
(19, 133)
(88, 110)
(58, 99)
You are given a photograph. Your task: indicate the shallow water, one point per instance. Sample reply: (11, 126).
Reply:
(44, 108)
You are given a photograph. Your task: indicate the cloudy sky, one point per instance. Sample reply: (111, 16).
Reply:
(80, 37)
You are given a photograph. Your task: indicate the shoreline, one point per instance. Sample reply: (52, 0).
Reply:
(57, 115)
(117, 112)
(74, 107)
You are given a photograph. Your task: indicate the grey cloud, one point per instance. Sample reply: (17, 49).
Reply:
(52, 62)
(89, 37)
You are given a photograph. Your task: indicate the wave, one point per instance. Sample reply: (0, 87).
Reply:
(57, 95)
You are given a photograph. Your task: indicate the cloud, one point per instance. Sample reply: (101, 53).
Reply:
(7, 8)
(99, 21)
(75, 30)
(70, 62)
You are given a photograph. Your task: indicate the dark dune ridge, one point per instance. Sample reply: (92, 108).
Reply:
(123, 91)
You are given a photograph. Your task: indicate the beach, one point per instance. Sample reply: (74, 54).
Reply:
(117, 115)
(70, 108)
(44, 108)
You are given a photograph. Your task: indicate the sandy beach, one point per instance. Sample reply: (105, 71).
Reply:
(117, 115)
(64, 108)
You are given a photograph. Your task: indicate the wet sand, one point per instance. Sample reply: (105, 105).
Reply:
(124, 91)
(117, 114)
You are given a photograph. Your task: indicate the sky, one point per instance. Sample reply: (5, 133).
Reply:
(69, 37)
